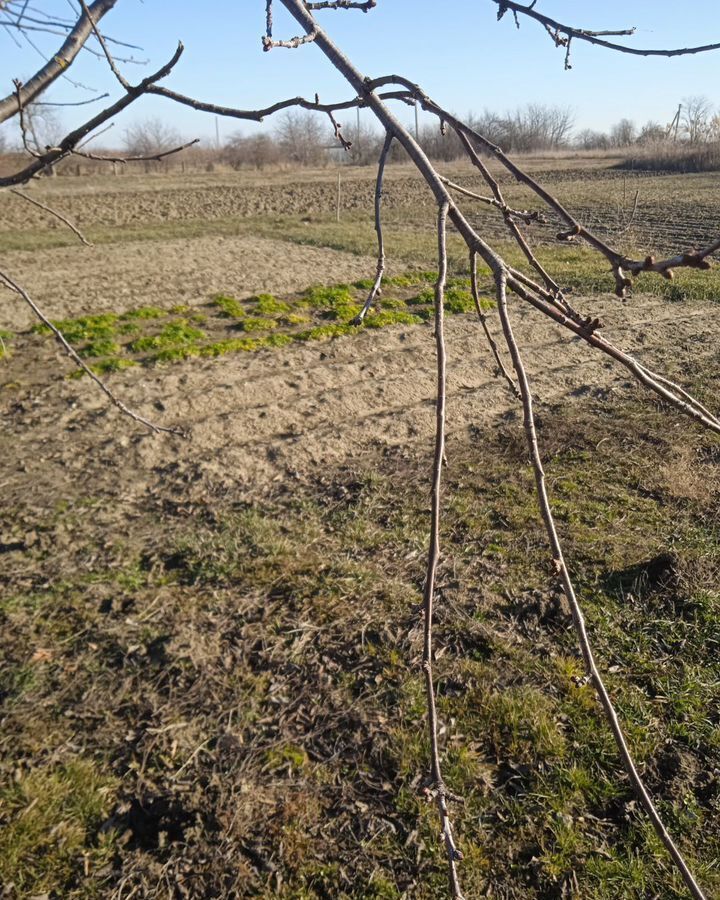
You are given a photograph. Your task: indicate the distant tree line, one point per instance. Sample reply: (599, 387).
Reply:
(305, 139)
(691, 141)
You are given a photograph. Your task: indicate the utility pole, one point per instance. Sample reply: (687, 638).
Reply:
(672, 128)
(417, 126)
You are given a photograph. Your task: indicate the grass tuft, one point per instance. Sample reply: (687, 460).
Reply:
(173, 335)
(52, 817)
(5, 338)
(268, 305)
(229, 307)
(146, 312)
(256, 323)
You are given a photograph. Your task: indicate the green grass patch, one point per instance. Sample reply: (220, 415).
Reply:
(301, 607)
(268, 305)
(173, 335)
(293, 319)
(52, 817)
(5, 339)
(174, 354)
(229, 307)
(84, 328)
(329, 297)
(146, 312)
(256, 323)
(391, 317)
(100, 347)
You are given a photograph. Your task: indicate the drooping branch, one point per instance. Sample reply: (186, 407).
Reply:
(664, 388)
(101, 40)
(562, 34)
(552, 286)
(483, 321)
(380, 271)
(561, 569)
(547, 298)
(53, 212)
(621, 265)
(436, 790)
(539, 297)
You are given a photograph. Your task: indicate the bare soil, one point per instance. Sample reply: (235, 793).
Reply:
(117, 277)
(253, 418)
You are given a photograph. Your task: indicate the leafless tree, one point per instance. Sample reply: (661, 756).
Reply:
(301, 138)
(535, 127)
(533, 285)
(651, 133)
(150, 137)
(696, 117)
(623, 133)
(256, 151)
(587, 139)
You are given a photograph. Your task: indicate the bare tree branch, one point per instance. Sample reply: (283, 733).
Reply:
(72, 102)
(71, 140)
(546, 302)
(258, 115)
(150, 157)
(561, 569)
(53, 212)
(523, 214)
(563, 34)
(546, 297)
(377, 285)
(58, 63)
(96, 31)
(436, 789)
(365, 6)
(483, 321)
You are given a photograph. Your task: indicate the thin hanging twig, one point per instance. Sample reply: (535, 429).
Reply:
(436, 790)
(53, 212)
(377, 285)
(483, 321)
(561, 569)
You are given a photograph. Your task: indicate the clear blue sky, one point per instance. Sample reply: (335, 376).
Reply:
(455, 49)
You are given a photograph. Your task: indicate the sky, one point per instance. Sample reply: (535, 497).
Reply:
(456, 50)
